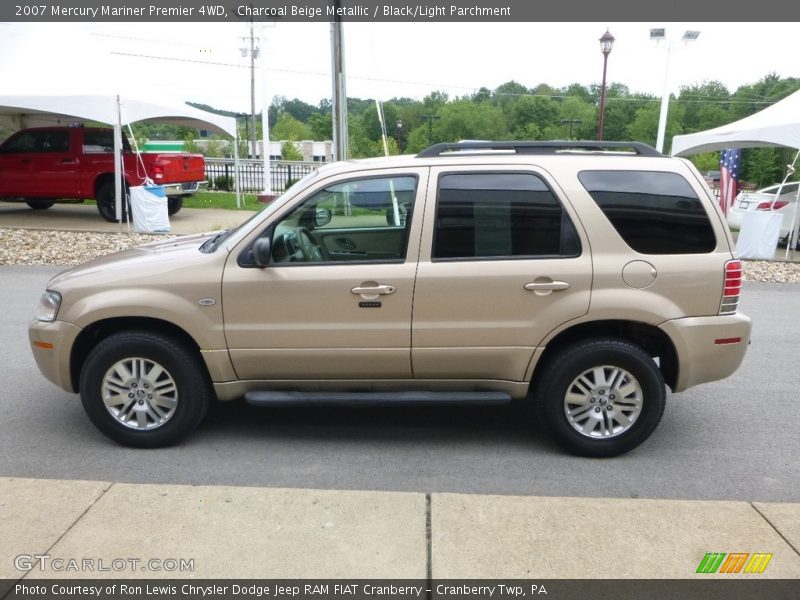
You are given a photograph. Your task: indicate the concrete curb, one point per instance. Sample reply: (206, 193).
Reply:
(246, 532)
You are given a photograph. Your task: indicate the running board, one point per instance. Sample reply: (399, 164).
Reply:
(273, 398)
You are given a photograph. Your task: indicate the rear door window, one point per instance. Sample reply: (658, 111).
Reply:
(500, 215)
(653, 212)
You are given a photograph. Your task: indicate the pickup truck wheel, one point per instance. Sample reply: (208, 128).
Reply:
(174, 204)
(601, 398)
(39, 204)
(106, 202)
(144, 389)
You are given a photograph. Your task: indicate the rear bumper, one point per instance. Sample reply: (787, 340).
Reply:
(708, 348)
(183, 189)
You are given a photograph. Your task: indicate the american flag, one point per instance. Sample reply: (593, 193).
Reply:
(728, 177)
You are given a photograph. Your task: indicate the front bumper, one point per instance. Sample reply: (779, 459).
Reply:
(708, 348)
(52, 347)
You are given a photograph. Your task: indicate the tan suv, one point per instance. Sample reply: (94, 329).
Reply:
(583, 276)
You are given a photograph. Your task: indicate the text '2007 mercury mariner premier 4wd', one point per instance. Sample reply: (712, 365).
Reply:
(583, 276)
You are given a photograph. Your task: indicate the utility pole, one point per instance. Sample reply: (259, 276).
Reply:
(253, 55)
(339, 97)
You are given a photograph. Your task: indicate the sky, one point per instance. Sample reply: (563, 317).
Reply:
(203, 63)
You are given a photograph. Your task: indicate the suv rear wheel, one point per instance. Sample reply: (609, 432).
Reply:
(144, 389)
(602, 397)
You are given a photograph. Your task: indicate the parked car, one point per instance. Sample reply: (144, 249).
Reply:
(765, 199)
(45, 165)
(582, 277)
(712, 178)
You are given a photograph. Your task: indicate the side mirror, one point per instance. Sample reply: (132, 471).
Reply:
(322, 216)
(262, 251)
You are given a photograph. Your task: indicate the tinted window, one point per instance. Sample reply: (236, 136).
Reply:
(101, 140)
(39, 141)
(22, 142)
(655, 213)
(494, 215)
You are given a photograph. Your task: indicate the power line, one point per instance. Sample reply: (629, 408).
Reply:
(438, 85)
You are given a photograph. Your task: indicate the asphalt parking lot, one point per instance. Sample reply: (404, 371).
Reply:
(734, 440)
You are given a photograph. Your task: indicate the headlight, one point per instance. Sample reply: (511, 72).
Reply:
(48, 306)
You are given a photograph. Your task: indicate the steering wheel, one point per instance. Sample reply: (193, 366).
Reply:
(312, 250)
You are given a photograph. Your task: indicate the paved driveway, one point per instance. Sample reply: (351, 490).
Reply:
(735, 440)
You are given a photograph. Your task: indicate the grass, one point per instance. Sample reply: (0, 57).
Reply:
(221, 200)
(216, 200)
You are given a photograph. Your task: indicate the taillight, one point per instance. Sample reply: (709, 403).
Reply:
(157, 171)
(770, 206)
(731, 288)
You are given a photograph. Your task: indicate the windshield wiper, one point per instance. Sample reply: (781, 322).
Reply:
(211, 244)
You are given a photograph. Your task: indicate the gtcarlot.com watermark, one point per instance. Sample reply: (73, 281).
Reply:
(45, 563)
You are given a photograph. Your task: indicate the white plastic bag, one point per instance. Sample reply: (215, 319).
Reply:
(758, 237)
(149, 209)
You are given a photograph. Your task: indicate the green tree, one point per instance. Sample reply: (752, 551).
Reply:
(705, 106)
(644, 126)
(464, 119)
(321, 126)
(530, 116)
(289, 150)
(287, 127)
(573, 108)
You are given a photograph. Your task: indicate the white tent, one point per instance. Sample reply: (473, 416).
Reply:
(17, 112)
(776, 125)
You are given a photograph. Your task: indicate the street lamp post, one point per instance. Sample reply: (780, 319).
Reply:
(658, 35)
(606, 44)
(399, 135)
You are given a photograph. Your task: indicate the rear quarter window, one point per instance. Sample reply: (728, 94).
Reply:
(653, 212)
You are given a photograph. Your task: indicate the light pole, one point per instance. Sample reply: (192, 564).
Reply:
(430, 119)
(606, 44)
(571, 123)
(659, 35)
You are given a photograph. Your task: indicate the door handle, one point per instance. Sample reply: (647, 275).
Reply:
(374, 290)
(548, 286)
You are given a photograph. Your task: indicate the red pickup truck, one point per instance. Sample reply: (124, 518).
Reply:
(46, 165)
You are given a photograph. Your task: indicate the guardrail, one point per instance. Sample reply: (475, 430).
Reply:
(220, 174)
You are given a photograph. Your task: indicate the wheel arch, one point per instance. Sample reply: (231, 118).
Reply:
(104, 178)
(650, 338)
(90, 336)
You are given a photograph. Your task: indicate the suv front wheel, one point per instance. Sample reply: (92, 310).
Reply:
(144, 389)
(601, 398)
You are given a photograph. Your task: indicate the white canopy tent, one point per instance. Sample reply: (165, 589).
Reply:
(776, 125)
(18, 112)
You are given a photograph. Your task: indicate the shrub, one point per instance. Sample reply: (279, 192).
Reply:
(223, 182)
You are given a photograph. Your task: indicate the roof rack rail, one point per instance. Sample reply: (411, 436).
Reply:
(549, 147)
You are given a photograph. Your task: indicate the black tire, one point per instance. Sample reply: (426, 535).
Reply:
(636, 372)
(40, 204)
(174, 204)
(106, 201)
(183, 372)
